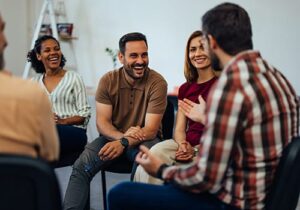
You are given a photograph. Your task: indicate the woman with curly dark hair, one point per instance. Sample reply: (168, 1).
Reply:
(65, 90)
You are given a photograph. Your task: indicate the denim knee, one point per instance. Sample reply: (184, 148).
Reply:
(88, 164)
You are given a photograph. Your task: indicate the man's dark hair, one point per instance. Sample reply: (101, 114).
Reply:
(135, 36)
(37, 65)
(230, 25)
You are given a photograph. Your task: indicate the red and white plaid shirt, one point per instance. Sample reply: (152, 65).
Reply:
(253, 112)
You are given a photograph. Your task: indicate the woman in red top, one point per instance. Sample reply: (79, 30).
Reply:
(200, 78)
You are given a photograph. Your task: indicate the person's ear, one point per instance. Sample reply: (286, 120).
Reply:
(38, 56)
(212, 42)
(121, 57)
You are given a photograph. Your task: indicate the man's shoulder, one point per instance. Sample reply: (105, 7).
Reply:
(111, 75)
(26, 95)
(155, 76)
(23, 88)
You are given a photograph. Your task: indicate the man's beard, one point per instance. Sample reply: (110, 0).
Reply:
(2, 63)
(130, 70)
(215, 61)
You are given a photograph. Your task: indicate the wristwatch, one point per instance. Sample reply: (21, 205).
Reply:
(124, 142)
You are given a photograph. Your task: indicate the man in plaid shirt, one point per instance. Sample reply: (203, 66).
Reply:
(252, 114)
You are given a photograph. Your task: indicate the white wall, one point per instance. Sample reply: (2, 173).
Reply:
(15, 14)
(167, 25)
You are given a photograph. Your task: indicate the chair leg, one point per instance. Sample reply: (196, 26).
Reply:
(103, 179)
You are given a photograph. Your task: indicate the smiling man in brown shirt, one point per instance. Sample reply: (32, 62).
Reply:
(26, 122)
(130, 103)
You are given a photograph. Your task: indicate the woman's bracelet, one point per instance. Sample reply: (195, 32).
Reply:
(196, 150)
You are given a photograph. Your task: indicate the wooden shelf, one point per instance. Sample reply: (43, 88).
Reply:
(67, 38)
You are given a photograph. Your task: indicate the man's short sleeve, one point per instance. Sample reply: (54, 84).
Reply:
(158, 97)
(102, 93)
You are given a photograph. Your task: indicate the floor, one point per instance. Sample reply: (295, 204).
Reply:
(63, 175)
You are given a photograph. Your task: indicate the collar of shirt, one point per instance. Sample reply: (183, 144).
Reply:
(139, 84)
(241, 55)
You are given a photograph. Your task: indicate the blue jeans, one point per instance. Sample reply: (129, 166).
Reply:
(87, 166)
(137, 196)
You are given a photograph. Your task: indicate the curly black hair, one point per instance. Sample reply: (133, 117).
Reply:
(37, 65)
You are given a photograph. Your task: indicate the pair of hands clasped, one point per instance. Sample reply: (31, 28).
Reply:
(185, 152)
(114, 149)
(148, 161)
(195, 112)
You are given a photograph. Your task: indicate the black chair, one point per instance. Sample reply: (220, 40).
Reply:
(168, 120)
(28, 184)
(125, 167)
(174, 100)
(66, 159)
(121, 167)
(284, 193)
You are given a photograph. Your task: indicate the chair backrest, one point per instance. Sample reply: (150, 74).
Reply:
(28, 184)
(285, 189)
(168, 120)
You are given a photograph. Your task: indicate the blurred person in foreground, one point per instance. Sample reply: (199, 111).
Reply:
(252, 114)
(26, 122)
